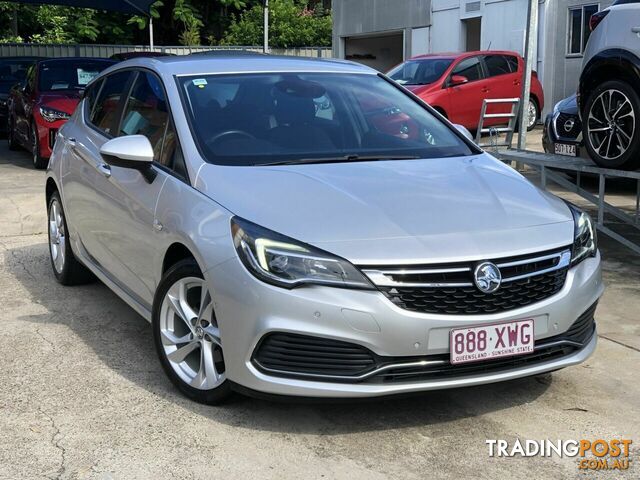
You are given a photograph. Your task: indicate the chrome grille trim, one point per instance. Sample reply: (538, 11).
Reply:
(381, 277)
(391, 366)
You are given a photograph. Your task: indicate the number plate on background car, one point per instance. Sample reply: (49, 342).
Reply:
(566, 150)
(491, 341)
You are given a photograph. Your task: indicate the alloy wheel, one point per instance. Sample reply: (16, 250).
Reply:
(57, 236)
(611, 124)
(190, 335)
(532, 115)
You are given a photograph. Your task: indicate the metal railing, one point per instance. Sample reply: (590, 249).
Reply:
(550, 167)
(105, 51)
(494, 132)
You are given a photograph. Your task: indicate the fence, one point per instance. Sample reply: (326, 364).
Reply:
(87, 50)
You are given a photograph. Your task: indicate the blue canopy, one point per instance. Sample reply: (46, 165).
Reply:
(136, 7)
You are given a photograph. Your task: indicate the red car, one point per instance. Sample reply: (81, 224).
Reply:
(41, 104)
(455, 84)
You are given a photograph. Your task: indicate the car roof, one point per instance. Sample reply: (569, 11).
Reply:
(21, 58)
(454, 55)
(48, 61)
(241, 62)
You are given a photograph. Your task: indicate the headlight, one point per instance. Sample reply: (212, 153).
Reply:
(51, 114)
(287, 263)
(585, 239)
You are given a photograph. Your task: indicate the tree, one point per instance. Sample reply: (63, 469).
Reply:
(291, 24)
(294, 23)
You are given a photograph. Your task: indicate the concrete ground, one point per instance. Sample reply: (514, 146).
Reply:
(83, 396)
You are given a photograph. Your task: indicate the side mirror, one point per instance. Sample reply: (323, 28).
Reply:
(458, 80)
(130, 151)
(464, 131)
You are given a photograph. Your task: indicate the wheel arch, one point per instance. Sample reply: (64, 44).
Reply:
(609, 64)
(177, 252)
(50, 187)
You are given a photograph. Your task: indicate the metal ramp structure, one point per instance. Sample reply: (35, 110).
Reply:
(494, 132)
(550, 167)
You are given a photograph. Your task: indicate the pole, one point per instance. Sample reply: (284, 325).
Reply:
(151, 33)
(531, 43)
(265, 47)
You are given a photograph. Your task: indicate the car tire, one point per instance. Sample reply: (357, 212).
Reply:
(186, 335)
(66, 267)
(11, 138)
(39, 162)
(533, 114)
(610, 126)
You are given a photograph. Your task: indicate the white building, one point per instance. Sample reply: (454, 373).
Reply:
(381, 33)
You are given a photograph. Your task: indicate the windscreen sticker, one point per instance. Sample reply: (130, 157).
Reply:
(200, 82)
(85, 76)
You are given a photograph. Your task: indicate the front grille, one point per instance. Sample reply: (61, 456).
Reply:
(560, 122)
(450, 290)
(322, 359)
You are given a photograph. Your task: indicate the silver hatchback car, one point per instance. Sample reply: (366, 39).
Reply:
(310, 228)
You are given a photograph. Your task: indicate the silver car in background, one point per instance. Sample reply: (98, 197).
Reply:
(310, 228)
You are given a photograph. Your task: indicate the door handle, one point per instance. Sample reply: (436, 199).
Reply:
(485, 90)
(635, 29)
(104, 169)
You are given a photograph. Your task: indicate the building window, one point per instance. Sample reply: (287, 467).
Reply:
(579, 28)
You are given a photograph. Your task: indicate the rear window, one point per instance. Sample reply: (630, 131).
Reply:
(257, 119)
(104, 114)
(497, 65)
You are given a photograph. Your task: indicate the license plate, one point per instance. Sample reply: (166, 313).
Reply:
(487, 342)
(566, 150)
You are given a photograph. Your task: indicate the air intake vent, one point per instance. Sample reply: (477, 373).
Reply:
(472, 7)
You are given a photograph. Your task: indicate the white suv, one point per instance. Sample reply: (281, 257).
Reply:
(609, 88)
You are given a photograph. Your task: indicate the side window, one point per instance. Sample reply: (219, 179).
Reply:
(146, 113)
(30, 81)
(104, 114)
(470, 68)
(496, 65)
(90, 96)
(513, 63)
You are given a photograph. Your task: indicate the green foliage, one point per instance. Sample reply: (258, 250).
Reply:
(143, 21)
(291, 24)
(190, 20)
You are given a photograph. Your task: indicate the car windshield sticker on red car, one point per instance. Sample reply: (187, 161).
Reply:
(85, 76)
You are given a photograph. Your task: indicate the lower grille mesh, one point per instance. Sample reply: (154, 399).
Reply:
(312, 355)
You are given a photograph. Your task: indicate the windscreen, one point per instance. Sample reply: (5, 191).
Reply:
(69, 75)
(420, 72)
(257, 119)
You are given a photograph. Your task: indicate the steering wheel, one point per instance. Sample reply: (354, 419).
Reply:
(228, 133)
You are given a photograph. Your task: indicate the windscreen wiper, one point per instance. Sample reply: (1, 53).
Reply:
(344, 158)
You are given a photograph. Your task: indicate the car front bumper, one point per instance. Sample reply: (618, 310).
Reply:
(550, 137)
(248, 309)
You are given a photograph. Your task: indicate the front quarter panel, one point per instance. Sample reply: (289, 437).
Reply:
(192, 219)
